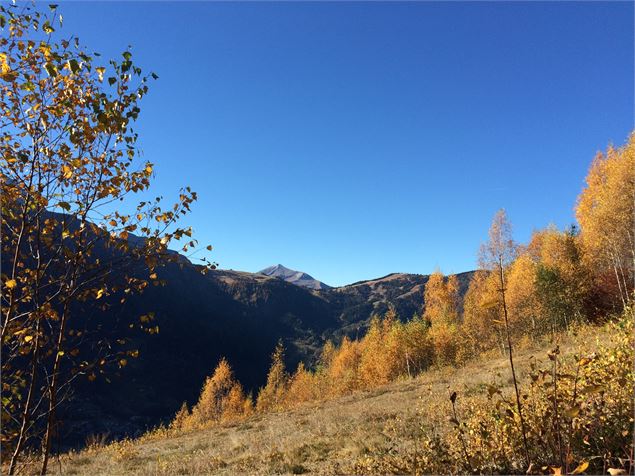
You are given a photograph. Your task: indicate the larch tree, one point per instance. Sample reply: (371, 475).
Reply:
(272, 395)
(343, 372)
(302, 387)
(209, 407)
(69, 169)
(605, 212)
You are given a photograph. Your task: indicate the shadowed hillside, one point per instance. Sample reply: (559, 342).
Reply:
(234, 314)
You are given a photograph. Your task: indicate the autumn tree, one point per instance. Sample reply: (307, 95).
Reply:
(272, 395)
(69, 168)
(418, 347)
(524, 309)
(496, 255)
(181, 418)
(605, 212)
(482, 316)
(302, 387)
(222, 398)
(441, 310)
(562, 277)
(375, 363)
(343, 372)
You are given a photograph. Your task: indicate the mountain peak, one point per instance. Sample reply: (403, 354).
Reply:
(299, 278)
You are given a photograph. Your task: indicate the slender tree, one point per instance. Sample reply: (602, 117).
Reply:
(496, 256)
(69, 168)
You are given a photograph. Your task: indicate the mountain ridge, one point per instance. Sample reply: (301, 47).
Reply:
(299, 278)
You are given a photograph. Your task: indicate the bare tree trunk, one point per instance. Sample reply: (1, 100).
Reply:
(511, 361)
(26, 414)
(619, 284)
(52, 390)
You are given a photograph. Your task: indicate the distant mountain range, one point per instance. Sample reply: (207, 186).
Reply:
(232, 314)
(294, 277)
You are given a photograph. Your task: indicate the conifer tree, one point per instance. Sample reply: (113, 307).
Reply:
(272, 395)
(209, 408)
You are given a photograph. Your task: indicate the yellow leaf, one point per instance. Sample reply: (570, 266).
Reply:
(11, 283)
(581, 468)
(123, 362)
(100, 293)
(572, 412)
(148, 169)
(153, 276)
(67, 171)
(28, 338)
(60, 353)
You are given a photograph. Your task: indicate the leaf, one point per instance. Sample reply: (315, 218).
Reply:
(123, 362)
(209, 247)
(73, 65)
(67, 172)
(10, 283)
(572, 412)
(64, 205)
(28, 338)
(100, 293)
(581, 468)
(556, 470)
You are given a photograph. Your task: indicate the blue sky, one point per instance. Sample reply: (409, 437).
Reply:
(352, 140)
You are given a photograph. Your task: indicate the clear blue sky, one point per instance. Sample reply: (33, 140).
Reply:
(354, 140)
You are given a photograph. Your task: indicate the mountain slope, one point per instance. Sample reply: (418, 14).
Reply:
(232, 314)
(298, 278)
(323, 437)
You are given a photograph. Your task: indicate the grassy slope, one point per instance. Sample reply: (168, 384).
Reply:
(323, 437)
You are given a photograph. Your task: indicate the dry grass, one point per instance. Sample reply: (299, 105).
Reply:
(320, 438)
